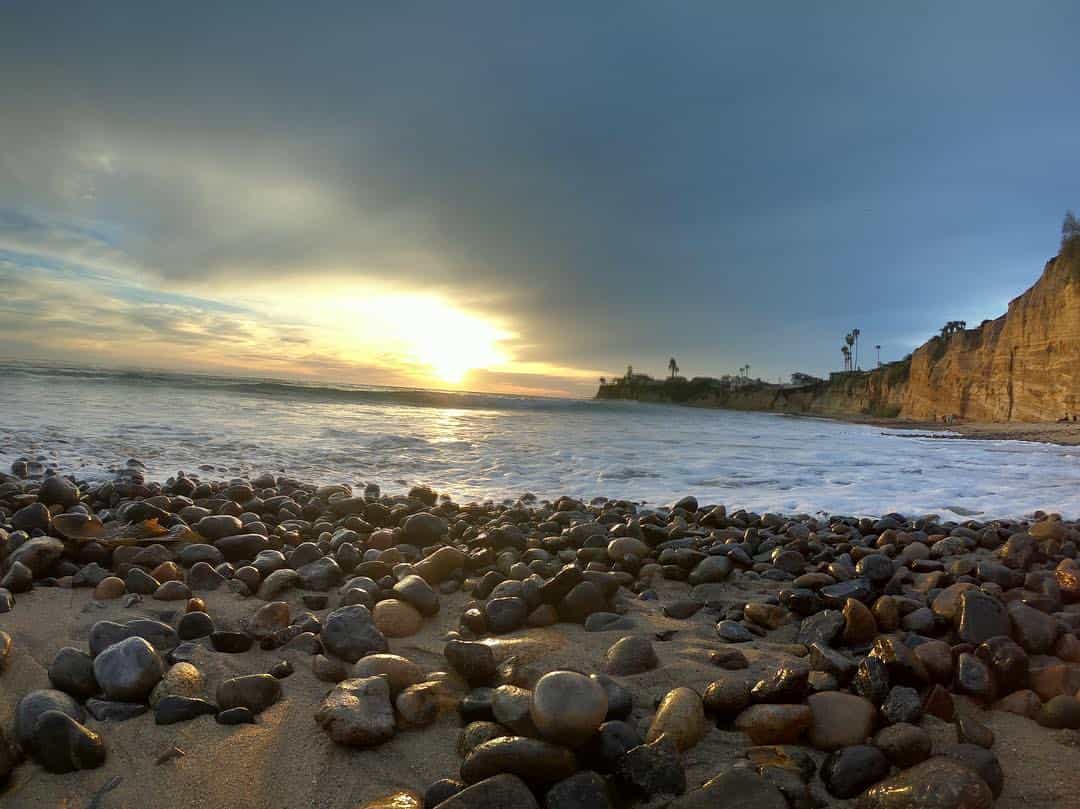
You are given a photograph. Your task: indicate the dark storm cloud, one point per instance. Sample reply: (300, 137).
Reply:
(621, 181)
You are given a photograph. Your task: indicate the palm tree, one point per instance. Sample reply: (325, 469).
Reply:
(878, 349)
(855, 333)
(847, 356)
(603, 380)
(673, 367)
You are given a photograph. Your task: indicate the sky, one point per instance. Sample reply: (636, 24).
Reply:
(522, 197)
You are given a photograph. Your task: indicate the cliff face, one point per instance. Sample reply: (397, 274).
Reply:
(1023, 366)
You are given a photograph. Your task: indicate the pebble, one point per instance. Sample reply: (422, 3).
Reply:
(850, 770)
(61, 744)
(33, 704)
(937, 783)
(567, 707)
(358, 712)
(503, 791)
(256, 692)
(473, 661)
(631, 655)
(72, 671)
(128, 671)
(775, 724)
(535, 761)
(349, 633)
(174, 708)
(582, 790)
(903, 744)
(109, 588)
(680, 718)
(840, 720)
(650, 770)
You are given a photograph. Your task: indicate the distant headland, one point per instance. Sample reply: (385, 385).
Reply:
(1021, 367)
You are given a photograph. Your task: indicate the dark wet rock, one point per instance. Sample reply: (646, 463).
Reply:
(973, 677)
(1007, 660)
(607, 622)
(478, 705)
(727, 697)
(18, 579)
(349, 633)
(218, 526)
(630, 655)
(829, 660)
(35, 516)
(903, 744)
(787, 684)
(473, 661)
(503, 791)
(241, 546)
(358, 712)
(35, 703)
(733, 632)
(203, 577)
(535, 761)
(72, 671)
(110, 711)
(871, 680)
(476, 733)
(980, 616)
(128, 671)
(938, 783)
(424, 528)
(902, 705)
(849, 770)
(582, 601)
(824, 628)
(835, 596)
(681, 610)
(650, 770)
(610, 743)
(1035, 631)
(175, 708)
(505, 614)
(442, 790)
(620, 700)
(736, 788)
(582, 790)
(195, 625)
(939, 702)
(729, 659)
(981, 760)
(231, 642)
(61, 744)
(256, 692)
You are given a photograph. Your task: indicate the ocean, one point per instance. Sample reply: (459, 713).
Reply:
(483, 446)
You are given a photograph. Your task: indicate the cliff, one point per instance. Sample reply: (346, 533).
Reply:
(1023, 366)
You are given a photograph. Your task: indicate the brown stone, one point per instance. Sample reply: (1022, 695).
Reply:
(937, 658)
(937, 783)
(167, 571)
(860, 627)
(1055, 679)
(1068, 648)
(840, 719)
(887, 614)
(770, 616)
(775, 724)
(396, 619)
(109, 588)
(939, 702)
(680, 718)
(1023, 703)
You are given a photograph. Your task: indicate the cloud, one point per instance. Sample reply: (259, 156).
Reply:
(615, 184)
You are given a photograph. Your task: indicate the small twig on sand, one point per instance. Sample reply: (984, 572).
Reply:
(171, 753)
(96, 801)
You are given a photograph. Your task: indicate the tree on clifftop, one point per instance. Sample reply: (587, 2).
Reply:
(1070, 229)
(673, 367)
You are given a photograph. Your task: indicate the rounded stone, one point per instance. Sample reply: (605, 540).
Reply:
(568, 707)
(850, 770)
(535, 761)
(397, 619)
(400, 672)
(256, 692)
(62, 744)
(128, 671)
(840, 720)
(680, 719)
(72, 671)
(633, 654)
(938, 783)
(34, 703)
(109, 588)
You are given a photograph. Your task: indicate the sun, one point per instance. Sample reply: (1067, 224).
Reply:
(451, 342)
